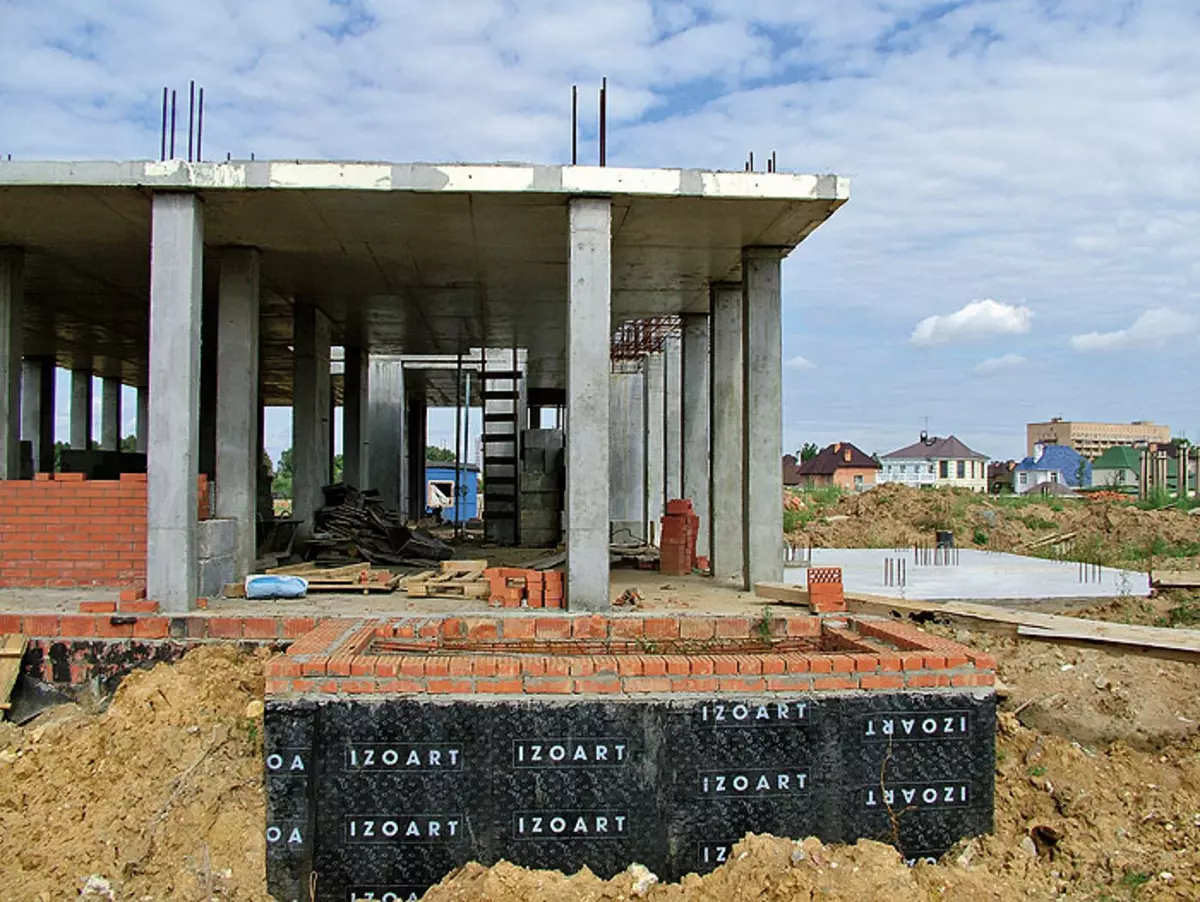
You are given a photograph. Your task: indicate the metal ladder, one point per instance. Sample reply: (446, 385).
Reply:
(501, 445)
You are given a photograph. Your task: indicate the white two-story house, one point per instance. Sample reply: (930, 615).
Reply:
(935, 461)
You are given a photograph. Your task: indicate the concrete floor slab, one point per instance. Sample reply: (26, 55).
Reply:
(978, 576)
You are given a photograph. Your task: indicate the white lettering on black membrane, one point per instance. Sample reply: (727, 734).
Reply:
(387, 893)
(569, 752)
(756, 783)
(573, 824)
(716, 853)
(894, 726)
(403, 828)
(404, 756)
(286, 835)
(754, 714)
(288, 762)
(917, 795)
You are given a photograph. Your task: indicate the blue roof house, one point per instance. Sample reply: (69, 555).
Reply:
(1054, 464)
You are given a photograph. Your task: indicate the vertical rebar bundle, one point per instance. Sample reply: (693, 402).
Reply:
(895, 571)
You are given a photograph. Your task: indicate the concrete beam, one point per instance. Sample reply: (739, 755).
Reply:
(143, 418)
(673, 417)
(310, 412)
(81, 410)
(12, 303)
(110, 414)
(694, 448)
(654, 418)
(37, 410)
(589, 324)
(237, 457)
(385, 428)
(762, 417)
(176, 285)
(727, 557)
(627, 449)
(355, 393)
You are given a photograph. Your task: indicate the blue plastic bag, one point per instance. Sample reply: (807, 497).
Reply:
(276, 586)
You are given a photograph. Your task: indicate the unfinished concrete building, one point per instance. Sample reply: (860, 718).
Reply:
(218, 288)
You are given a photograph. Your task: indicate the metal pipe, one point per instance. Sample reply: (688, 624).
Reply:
(172, 154)
(751, 161)
(191, 115)
(604, 122)
(467, 417)
(457, 435)
(162, 131)
(574, 125)
(200, 129)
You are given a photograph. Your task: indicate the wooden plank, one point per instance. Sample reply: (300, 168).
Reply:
(786, 593)
(293, 569)
(453, 566)
(10, 666)
(234, 590)
(1176, 579)
(1178, 644)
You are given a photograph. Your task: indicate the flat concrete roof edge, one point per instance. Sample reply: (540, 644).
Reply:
(426, 177)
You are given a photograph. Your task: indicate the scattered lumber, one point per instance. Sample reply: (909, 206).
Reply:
(363, 579)
(454, 579)
(786, 593)
(356, 525)
(1158, 642)
(1176, 579)
(1056, 539)
(11, 653)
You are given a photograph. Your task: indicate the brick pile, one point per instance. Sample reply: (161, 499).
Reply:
(677, 547)
(825, 591)
(555, 654)
(65, 531)
(513, 587)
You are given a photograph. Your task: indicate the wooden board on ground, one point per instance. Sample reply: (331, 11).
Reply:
(786, 593)
(1159, 642)
(1176, 579)
(11, 653)
(351, 580)
(454, 579)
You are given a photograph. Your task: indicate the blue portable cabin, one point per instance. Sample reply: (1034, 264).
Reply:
(440, 474)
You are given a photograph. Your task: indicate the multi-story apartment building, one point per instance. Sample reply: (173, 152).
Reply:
(935, 461)
(1093, 439)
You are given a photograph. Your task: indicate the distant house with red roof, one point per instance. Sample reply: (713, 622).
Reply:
(840, 464)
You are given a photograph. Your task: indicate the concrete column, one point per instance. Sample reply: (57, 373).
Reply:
(37, 410)
(762, 417)
(237, 457)
(81, 409)
(110, 414)
(653, 419)
(210, 318)
(12, 302)
(143, 418)
(673, 417)
(385, 427)
(627, 465)
(355, 393)
(694, 453)
(589, 325)
(310, 412)
(417, 432)
(176, 284)
(727, 557)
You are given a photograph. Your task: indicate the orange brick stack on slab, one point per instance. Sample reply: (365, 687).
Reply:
(629, 655)
(513, 587)
(825, 594)
(677, 547)
(63, 531)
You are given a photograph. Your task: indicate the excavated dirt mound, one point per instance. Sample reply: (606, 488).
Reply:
(159, 797)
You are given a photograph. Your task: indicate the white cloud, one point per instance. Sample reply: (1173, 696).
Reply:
(975, 321)
(1153, 329)
(800, 363)
(994, 365)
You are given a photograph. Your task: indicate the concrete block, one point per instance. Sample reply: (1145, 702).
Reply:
(214, 574)
(216, 538)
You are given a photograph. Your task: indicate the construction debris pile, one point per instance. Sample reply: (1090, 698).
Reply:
(356, 525)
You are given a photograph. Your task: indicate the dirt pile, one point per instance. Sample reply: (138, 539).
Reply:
(159, 797)
(892, 515)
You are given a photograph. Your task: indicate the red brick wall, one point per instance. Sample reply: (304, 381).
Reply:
(66, 531)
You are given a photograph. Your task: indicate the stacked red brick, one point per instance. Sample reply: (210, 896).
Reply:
(677, 547)
(825, 593)
(64, 531)
(513, 587)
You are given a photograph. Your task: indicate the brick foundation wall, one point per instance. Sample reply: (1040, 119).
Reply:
(621, 655)
(64, 531)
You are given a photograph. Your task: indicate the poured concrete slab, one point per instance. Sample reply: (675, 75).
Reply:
(978, 576)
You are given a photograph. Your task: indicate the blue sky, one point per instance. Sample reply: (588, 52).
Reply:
(1023, 235)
